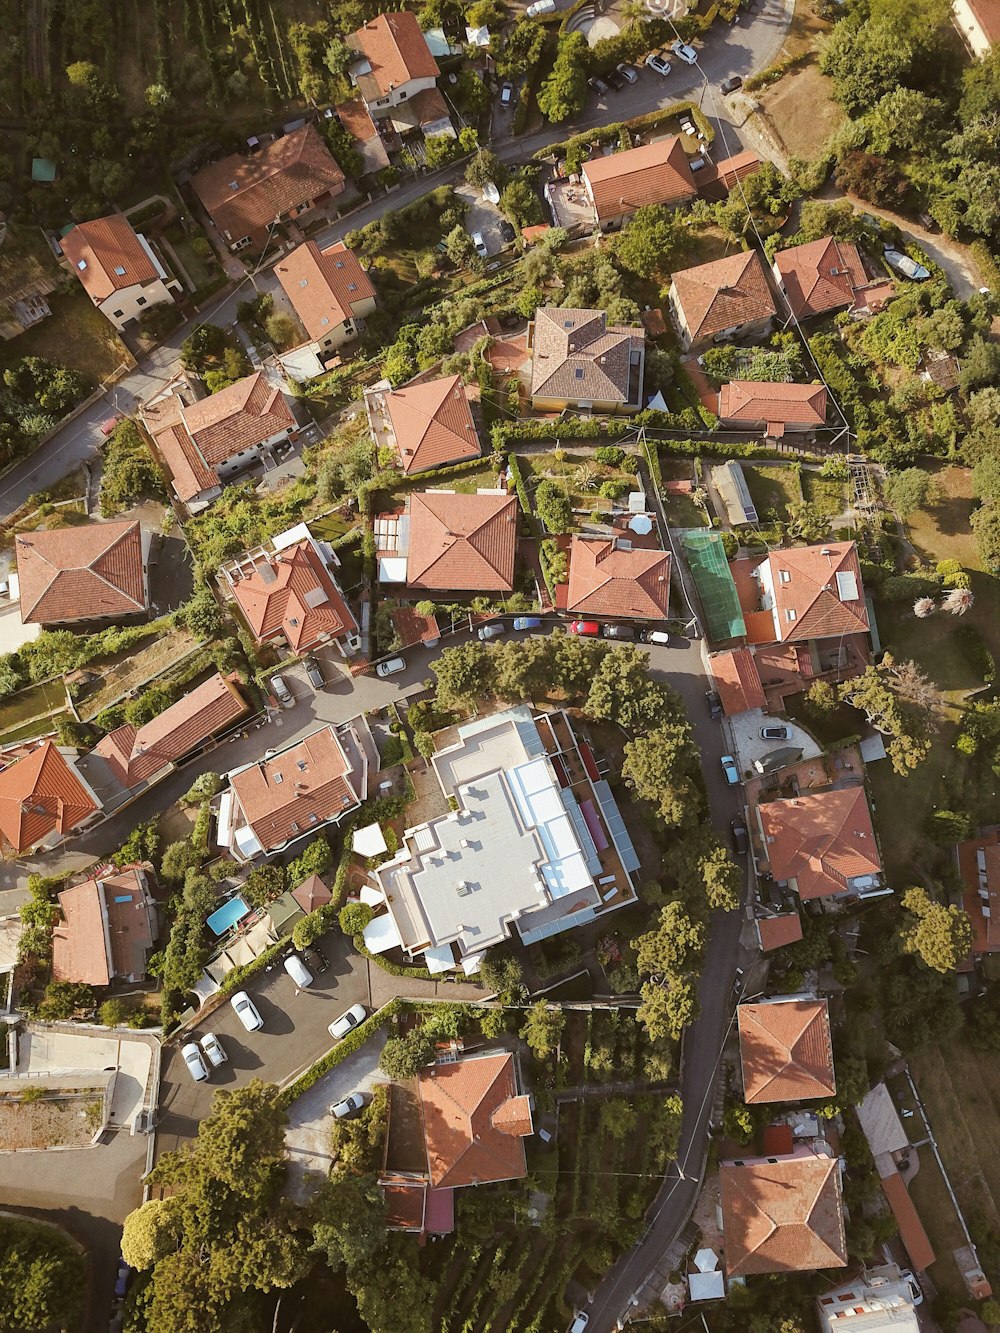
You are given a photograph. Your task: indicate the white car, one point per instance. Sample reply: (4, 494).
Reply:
(540, 7)
(916, 1295)
(390, 668)
(281, 691)
(213, 1048)
(346, 1022)
(580, 1322)
(351, 1105)
(479, 245)
(684, 52)
(297, 970)
(196, 1066)
(658, 62)
(246, 1011)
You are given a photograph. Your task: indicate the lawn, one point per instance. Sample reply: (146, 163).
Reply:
(684, 512)
(38, 701)
(773, 489)
(203, 270)
(800, 113)
(76, 335)
(826, 493)
(580, 476)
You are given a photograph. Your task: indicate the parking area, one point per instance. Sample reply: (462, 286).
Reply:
(750, 745)
(482, 217)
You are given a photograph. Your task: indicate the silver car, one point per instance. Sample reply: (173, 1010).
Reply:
(214, 1049)
(350, 1106)
(341, 1026)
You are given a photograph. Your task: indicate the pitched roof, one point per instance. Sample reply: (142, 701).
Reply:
(40, 793)
(474, 1121)
(312, 893)
(820, 275)
(189, 473)
(821, 840)
(465, 543)
(71, 574)
(979, 866)
(432, 423)
(135, 753)
(782, 1216)
(723, 294)
(822, 590)
(107, 256)
(354, 117)
(655, 173)
(396, 51)
(576, 354)
(241, 416)
(716, 179)
(79, 945)
(298, 789)
(243, 195)
(737, 680)
(786, 1051)
(911, 1230)
(986, 14)
(606, 581)
(776, 931)
(791, 404)
(292, 593)
(323, 285)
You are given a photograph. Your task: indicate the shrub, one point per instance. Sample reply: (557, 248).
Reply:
(554, 508)
(611, 454)
(354, 917)
(115, 1012)
(177, 860)
(315, 860)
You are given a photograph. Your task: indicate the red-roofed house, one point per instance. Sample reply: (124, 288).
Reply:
(394, 62)
(737, 681)
(776, 408)
(716, 179)
(619, 183)
(774, 932)
(144, 754)
(450, 542)
(108, 927)
(43, 799)
(979, 866)
(356, 119)
(275, 801)
(289, 593)
(428, 423)
(330, 292)
(715, 301)
(782, 1214)
(786, 1051)
(69, 575)
(245, 196)
(580, 361)
(811, 592)
(819, 276)
(205, 442)
(606, 579)
(120, 271)
(979, 23)
(822, 843)
(474, 1120)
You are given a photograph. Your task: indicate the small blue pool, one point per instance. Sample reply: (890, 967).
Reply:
(226, 916)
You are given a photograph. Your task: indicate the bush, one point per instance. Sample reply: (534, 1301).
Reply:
(142, 844)
(403, 1057)
(354, 917)
(178, 859)
(976, 653)
(315, 860)
(115, 1012)
(554, 508)
(611, 454)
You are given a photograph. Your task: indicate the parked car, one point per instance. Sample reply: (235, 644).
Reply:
(618, 632)
(313, 673)
(349, 1107)
(775, 732)
(214, 1049)
(297, 970)
(714, 704)
(315, 958)
(540, 7)
(730, 85)
(479, 245)
(196, 1066)
(905, 265)
(390, 668)
(281, 691)
(730, 770)
(507, 232)
(598, 85)
(506, 94)
(246, 1011)
(341, 1026)
(628, 73)
(684, 52)
(740, 840)
(657, 636)
(658, 61)
(916, 1294)
(527, 622)
(586, 627)
(492, 631)
(614, 80)
(580, 1322)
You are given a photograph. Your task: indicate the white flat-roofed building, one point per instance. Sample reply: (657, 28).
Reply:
(533, 844)
(878, 1301)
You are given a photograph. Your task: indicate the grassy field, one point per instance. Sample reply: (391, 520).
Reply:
(76, 335)
(38, 701)
(826, 493)
(800, 113)
(773, 489)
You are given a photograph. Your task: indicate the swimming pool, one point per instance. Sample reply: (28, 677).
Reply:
(227, 916)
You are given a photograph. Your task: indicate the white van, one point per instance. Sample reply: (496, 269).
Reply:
(297, 970)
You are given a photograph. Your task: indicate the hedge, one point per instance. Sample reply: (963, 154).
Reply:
(976, 653)
(394, 969)
(619, 428)
(348, 1046)
(609, 133)
(989, 270)
(775, 72)
(522, 491)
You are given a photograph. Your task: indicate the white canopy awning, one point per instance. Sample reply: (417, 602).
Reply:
(471, 962)
(707, 1286)
(373, 897)
(381, 934)
(439, 958)
(369, 841)
(706, 1261)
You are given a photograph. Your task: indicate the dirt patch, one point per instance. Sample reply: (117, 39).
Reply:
(137, 667)
(176, 823)
(806, 26)
(800, 113)
(50, 1120)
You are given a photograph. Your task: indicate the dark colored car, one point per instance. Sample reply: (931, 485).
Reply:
(614, 80)
(730, 85)
(315, 959)
(507, 232)
(598, 85)
(714, 704)
(618, 632)
(740, 840)
(313, 673)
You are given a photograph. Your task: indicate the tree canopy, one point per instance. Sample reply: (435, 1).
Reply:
(940, 936)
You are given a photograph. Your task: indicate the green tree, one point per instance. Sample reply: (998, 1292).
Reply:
(354, 917)
(115, 1012)
(458, 246)
(543, 1025)
(403, 1057)
(520, 201)
(662, 767)
(909, 490)
(563, 93)
(905, 728)
(866, 62)
(986, 525)
(980, 366)
(673, 946)
(723, 879)
(521, 48)
(42, 1277)
(501, 973)
(150, 1233)
(463, 676)
(348, 1221)
(940, 936)
(652, 241)
(485, 169)
(553, 507)
(667, 1009)
(821, 699)
(621, 691)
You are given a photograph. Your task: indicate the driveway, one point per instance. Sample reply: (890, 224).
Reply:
(483, 217)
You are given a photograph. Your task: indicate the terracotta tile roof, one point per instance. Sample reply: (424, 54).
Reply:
(241, 416)
(412, 627)
(130, 922)
(818, 591)
(354, 117)
(107, 256)
(911, 1229)
(190, 475)
(462, 543)
(656, 173)
(821, 840)
(404, 1205)
(820, 275)
(471, 1133)
(977, 884)
(397, 52)
(135, 753)
(986, 14)
(718, 178)
(299, 789)
(292, 593)
(605, 581)
(40, 794)
(577, 355)
(79, 944)
(783, 1216)
(323, 286)
(737, 680)
(312, 893)
(776, 931)
(72, 574)
(428, 107)
(723, 294)
(244, 195)
(432, 423)
(791, 404)
(786, 1051)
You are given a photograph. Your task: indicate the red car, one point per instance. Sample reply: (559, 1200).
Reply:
(590, 627)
